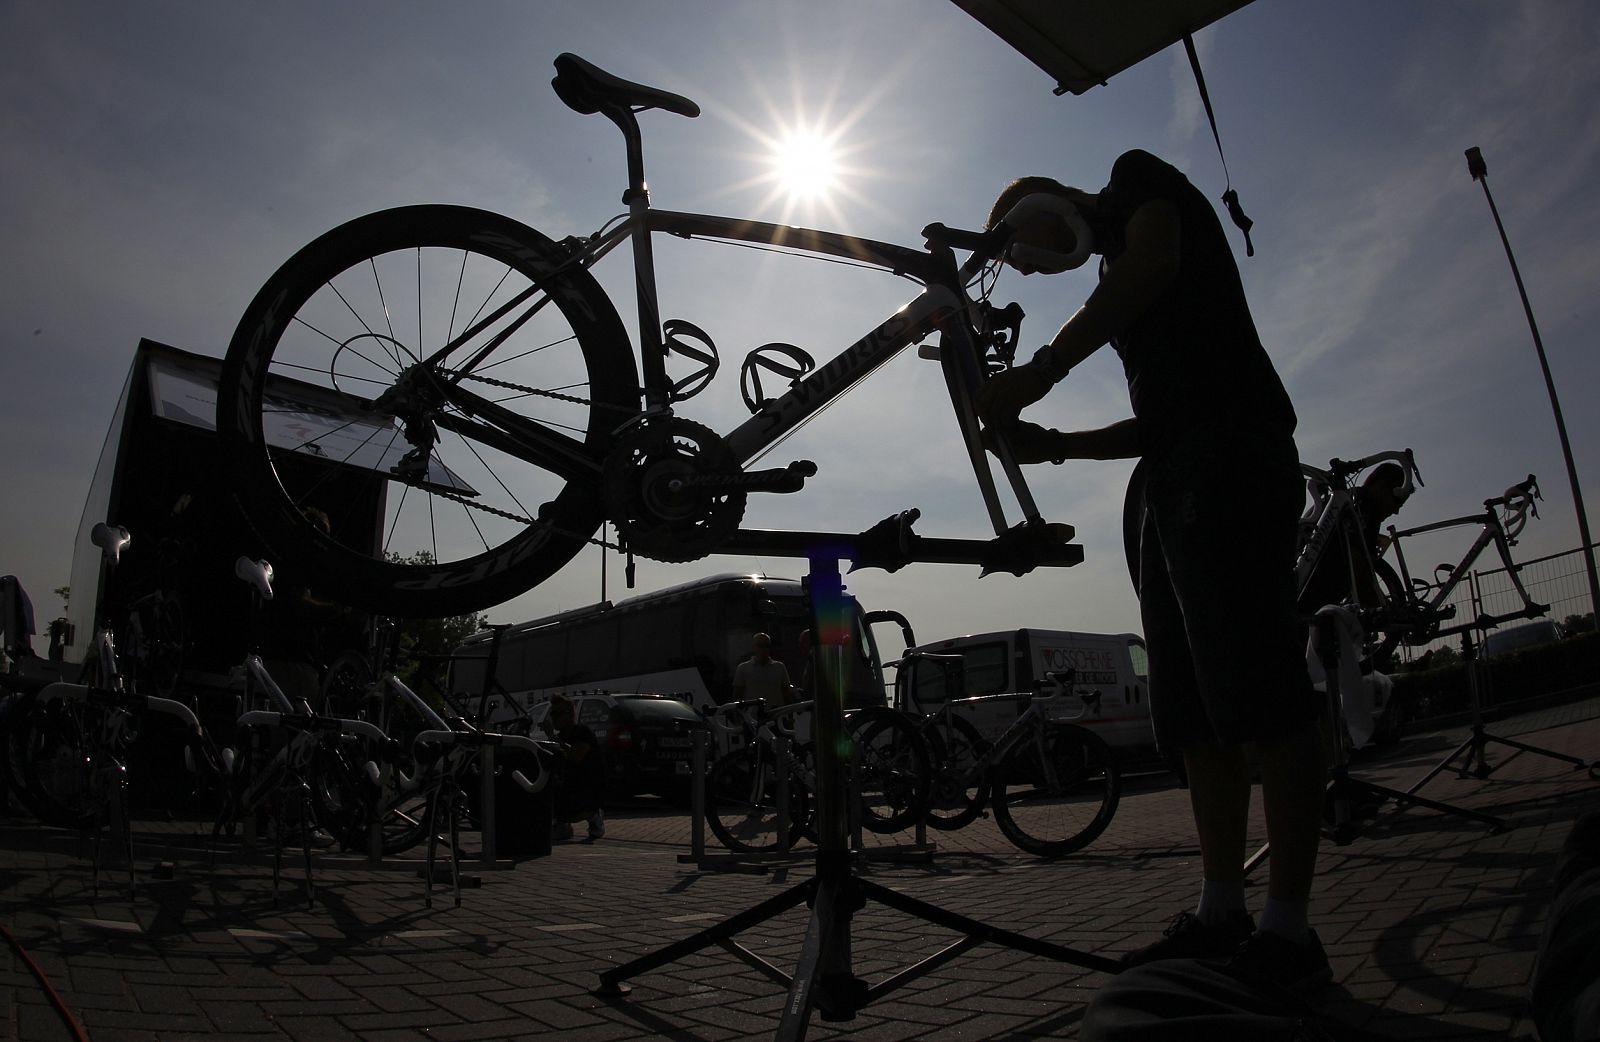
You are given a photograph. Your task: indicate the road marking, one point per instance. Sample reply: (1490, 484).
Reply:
(417, 935)
(113, 925)
(571, 927)
(244, 934)
(693, 918)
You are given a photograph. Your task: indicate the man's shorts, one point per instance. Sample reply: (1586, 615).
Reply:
(1216, 590)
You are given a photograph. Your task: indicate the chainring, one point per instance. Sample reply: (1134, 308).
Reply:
(652, 498)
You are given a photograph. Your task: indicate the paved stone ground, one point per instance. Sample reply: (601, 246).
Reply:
(1431, 922)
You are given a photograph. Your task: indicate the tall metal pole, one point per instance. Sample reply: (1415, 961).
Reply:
(1480, 173)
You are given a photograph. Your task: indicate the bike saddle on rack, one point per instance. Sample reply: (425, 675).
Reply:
(587, 88)
(111, 539)
(256, 573)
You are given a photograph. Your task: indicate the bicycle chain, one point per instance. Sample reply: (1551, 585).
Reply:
(530, 522)
(538, 392)
(508, 385)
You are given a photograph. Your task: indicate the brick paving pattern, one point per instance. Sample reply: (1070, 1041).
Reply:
(1431, 922)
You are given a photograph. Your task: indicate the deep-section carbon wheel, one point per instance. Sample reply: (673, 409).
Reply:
(1056, 791)
(440, 386)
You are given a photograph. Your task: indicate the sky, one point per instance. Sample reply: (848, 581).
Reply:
(162, 158)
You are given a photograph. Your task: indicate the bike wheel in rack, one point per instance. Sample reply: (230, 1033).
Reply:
(449, 481)
(1055, 792)
(959, 781)
(51, 741)
(742, 801)
(893, 768)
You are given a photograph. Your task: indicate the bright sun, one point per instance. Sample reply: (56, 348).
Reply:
(805, 164)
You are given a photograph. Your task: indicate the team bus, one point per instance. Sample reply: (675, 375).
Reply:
(684, 641)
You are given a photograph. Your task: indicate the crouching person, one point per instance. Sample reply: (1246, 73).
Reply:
(580, 775)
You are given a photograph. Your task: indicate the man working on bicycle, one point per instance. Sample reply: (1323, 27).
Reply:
(1216, 592)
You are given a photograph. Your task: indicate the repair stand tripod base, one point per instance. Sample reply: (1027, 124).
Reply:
(1476, 763)
(823, 979)
(1346, 792)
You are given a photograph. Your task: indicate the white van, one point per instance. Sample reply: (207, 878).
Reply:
(1113, 665)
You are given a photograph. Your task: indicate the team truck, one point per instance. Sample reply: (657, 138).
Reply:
(987, 670)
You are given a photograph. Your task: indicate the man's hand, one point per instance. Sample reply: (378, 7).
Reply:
(1005, 394)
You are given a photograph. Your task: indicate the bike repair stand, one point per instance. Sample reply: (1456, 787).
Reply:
(1344, 792)
(1478, 679)
(823, 978)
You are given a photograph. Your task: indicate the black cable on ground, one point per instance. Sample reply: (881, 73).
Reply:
(49, 989)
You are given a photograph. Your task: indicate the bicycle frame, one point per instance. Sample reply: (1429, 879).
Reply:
(1491, 531)
(943, 307)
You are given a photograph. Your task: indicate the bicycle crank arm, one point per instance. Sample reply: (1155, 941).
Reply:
(788, 479)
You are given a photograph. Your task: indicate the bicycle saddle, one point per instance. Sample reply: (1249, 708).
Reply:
(587, 88)
(256, 573)
(110, 539)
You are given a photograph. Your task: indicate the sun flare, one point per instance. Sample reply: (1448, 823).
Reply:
(805, 164)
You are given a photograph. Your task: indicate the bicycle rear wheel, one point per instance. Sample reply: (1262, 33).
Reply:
(50, 742)
(960, 781)
(450, 480)
(1056, 791)
(742, 803)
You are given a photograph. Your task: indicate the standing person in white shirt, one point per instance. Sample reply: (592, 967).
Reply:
(761, 676)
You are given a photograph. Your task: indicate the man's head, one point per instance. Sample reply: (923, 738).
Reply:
(1052, 233)
(761, 647)
(1385, 488)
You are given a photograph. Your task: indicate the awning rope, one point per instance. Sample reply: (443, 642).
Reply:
(1230, 198)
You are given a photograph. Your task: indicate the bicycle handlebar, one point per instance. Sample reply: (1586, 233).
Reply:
(121, 700)
(479, 739)
(1342, 470)
(312, 722)
(985, 246)
(1518, 502)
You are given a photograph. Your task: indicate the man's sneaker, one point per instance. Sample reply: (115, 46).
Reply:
(1271, 958)
(1189, 938)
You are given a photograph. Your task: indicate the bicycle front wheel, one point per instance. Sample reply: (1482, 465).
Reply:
(417, 407)
(743, 805)
(960, 776)
(892, 770)
(1056, 791)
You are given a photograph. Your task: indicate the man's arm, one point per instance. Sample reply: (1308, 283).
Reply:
(1119, 440)
(1126, 291)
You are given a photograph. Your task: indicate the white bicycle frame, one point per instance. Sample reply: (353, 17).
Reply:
(1333, 501)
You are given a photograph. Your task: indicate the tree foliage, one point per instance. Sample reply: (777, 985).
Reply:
(423, 646)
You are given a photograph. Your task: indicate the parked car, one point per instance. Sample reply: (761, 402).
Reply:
(1515, 638)
(647, 740)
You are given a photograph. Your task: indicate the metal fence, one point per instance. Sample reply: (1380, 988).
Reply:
(1559, 580)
